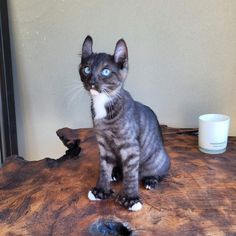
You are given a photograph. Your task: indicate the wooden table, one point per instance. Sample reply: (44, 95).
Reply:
(49, 197)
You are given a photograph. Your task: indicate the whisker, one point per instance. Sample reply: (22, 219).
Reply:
(72, 92)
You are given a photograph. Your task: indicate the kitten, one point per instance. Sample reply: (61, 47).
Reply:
(127, 132)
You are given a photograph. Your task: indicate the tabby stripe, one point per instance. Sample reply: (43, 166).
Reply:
(113, 117)
(123, 146)
(108, 159)
(101, 144)
(148, 139)
(131, 160)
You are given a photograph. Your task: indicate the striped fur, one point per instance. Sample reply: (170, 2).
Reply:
(128, 132)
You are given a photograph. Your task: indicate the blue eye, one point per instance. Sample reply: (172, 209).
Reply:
(106, 72)
(86, 70)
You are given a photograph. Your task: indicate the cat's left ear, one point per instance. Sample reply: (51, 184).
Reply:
(87, 47)
(121, 53)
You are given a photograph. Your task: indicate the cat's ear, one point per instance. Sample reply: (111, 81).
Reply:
(121, 53)
(87, 47)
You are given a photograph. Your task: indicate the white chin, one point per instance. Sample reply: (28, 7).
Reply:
(93, 92)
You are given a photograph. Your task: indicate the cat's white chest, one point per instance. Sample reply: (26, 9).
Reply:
(99, 102)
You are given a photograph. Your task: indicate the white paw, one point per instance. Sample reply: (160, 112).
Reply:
(136, 207)
(113, 179)
(148, 187)
(92, 197)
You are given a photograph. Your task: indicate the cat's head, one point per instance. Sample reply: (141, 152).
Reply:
(101, 72)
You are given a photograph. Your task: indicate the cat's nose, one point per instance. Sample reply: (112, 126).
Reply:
(92, 82)
(92, 85)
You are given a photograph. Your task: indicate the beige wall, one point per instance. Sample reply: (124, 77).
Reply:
(182, 61)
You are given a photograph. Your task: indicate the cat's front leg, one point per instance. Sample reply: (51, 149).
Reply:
(130, 162)
(103, 189)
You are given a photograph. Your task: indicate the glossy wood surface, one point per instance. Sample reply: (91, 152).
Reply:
(49, 197)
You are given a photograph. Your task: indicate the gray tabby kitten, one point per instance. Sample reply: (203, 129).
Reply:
(128, 133)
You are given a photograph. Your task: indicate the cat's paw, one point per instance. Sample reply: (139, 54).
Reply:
(117, 174)
(97, 194)
(150, 182)
(132, 204)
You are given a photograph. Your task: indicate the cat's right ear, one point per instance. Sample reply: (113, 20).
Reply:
(121, 53)
(87, 47)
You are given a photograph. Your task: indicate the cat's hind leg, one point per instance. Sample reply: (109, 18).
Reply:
(153, 171)
(151, 182)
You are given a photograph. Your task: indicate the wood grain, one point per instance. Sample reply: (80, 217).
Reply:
(49, 197)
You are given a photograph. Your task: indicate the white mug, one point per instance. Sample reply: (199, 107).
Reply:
(213, 133)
